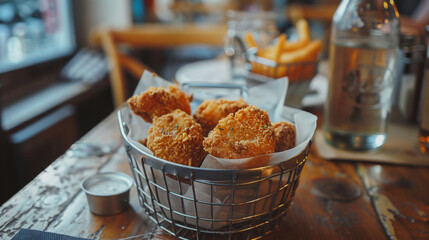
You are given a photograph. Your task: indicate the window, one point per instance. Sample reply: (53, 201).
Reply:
(34, 31)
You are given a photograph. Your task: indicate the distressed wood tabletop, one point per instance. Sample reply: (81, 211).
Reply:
(335, 200)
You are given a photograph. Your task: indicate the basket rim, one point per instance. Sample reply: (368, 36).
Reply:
(272, 63)
(296, 160)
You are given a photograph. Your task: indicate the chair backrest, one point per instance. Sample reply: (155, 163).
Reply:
(322, 12)
(149, 36)
(190, 10)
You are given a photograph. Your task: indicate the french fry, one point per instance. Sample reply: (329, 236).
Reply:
(308, 53)
(278, 51)
(250, 41)
(268, 52)
(303, 37)
(303, 31)
(279, 47)
(272, 53)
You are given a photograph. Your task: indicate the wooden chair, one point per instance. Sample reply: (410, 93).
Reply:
(149, 36)
(322, 13)
(188, 9)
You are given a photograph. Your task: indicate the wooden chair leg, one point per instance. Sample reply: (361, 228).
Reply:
(117, 80)
(132, 65)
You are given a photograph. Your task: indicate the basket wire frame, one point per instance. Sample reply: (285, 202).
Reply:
(196, 203)
(264, 69)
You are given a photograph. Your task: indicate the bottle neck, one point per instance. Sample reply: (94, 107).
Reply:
(366, 19)
(385, 8)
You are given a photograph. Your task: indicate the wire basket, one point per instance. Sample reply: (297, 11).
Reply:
(198, 203)
(266, 69)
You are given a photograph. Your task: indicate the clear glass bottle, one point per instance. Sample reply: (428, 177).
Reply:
(363, 59)
(409, 81)
(424, 116)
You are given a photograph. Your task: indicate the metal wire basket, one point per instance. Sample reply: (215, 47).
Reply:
(198, 203)
(266, 69)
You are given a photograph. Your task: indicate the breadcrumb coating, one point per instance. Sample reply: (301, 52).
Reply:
(156, 102)
(178, 138)
(285, 134)
(210, 112)
(246, 133)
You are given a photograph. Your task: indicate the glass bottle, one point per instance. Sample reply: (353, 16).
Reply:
(409, 81)
(424, 118)
(363, 59)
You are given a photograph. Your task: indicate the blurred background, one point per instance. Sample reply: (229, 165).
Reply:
(55, 76)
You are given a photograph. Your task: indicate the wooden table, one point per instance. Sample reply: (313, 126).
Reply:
(335, 200)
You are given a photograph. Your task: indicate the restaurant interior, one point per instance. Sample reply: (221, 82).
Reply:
(66, 65)
(49, 99)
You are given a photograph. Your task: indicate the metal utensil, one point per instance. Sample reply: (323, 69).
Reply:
(82, 150)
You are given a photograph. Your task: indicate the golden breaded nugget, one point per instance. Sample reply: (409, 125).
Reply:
(285, 134)
(178, 138)
(210, 112)
(156, 102)
(246, 133)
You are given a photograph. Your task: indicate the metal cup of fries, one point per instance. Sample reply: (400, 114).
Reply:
(296, 60)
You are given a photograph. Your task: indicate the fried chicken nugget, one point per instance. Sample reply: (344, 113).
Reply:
(285, 134)
(156, 102)
(178, 138)
(210, 112)
(246, 133)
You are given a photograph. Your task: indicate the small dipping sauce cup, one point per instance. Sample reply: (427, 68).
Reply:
(107, 193)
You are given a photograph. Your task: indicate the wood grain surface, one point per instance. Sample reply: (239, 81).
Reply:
(335, 200)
